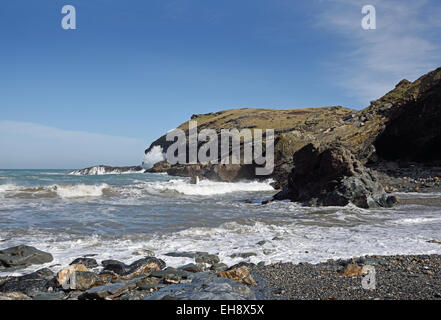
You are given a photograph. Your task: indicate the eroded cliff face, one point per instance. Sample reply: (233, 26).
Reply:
(413, 126)
(404, 124)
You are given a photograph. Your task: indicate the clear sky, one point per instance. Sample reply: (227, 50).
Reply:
(132, 70)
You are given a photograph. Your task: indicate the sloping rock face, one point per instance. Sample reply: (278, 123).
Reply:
(332, 176)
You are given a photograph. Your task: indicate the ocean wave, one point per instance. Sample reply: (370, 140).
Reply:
(207, 187)
(62, 191)
(80, 190)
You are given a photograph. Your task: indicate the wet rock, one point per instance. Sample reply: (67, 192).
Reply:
(204, 257)
(261, 243)
(434, 241)
(144, 266)
(152, 286)
(240, 274)
(205, 287)
(23, 256)
(30, 284)
(115, 266)
(109, 291)
(218, 267)
(191, 267)
(168, 272)
(87, 262)
(332, 176)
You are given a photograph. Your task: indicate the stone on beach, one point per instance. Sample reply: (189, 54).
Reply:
(206, 287)
(240, 274)
(23, 256)
(30, 284)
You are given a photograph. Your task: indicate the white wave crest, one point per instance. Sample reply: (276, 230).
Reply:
(208, 188)
(80, 190)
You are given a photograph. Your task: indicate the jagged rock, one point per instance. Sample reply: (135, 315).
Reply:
(87, 262)
(23, 256)
(332, 176)
(30, 284)
(239, 274)
(205, 287)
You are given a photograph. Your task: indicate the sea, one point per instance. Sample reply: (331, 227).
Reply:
(116, 216)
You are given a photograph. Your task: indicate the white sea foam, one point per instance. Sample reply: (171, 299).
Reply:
(155, 155)
(80, 190)
(207, 187)
(8, 187)
(289, 242)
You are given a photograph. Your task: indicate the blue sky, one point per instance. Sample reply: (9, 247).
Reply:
(132, 70)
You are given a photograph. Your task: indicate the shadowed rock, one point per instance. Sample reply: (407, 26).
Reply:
(332, 176)
(205, 287)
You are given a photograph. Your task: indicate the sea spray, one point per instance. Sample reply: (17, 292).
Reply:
(153, 156)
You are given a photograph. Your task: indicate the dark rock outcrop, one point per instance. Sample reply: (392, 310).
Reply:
(22, 256)
(332, 176)
(102, 169)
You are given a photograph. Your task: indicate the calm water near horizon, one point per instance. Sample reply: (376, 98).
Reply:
(114, 215)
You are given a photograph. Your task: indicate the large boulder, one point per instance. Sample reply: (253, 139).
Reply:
(332, 176)
(22, 256)
(205, 287)
(31, 284)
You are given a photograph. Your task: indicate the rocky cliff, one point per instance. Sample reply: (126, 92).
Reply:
(402, 125)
